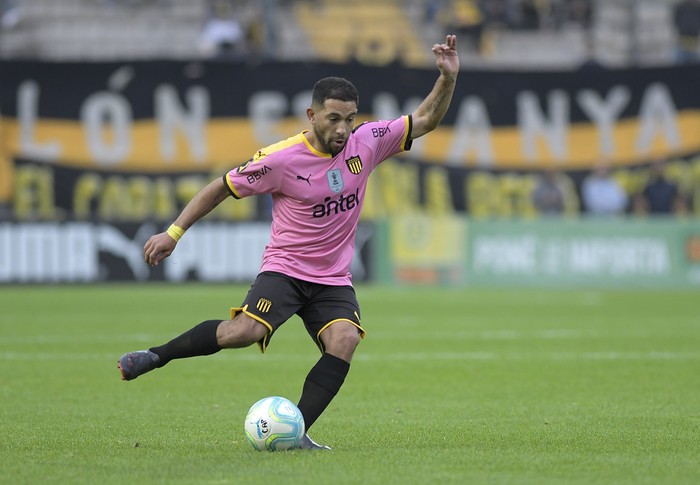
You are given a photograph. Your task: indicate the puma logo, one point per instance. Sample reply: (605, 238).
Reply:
(299, 177)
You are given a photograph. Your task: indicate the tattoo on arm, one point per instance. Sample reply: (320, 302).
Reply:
(213, 203)
(433, 108)
(438, 102)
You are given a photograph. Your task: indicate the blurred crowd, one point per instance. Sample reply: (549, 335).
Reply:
(510, 14)
(686, 18)
(475, 18)
(237, 28)
(471, 18)
(604, 194)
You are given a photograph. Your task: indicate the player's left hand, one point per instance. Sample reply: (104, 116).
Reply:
(446, 57)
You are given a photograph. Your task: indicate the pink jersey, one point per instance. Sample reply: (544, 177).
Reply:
(316, 198)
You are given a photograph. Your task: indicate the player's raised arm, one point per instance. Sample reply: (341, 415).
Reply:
(433, 108)
(160, 246)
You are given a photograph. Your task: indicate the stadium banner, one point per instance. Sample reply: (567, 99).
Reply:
(402, 186)
(660, 252)
(92, 252)
(52, 192)
(155, 126)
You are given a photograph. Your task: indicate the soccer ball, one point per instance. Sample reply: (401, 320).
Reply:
(274, 424)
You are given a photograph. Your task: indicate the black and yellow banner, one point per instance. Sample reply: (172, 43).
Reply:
(77, 140)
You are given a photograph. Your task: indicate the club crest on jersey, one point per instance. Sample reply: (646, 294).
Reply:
(354, 164)
(263, 305)
(243, 167)
(335, 180)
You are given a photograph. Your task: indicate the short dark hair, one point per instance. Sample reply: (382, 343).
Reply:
(334, 88)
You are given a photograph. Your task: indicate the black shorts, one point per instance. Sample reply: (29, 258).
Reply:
(274, 298)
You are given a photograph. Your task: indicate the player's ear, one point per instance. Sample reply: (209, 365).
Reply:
(311, 115)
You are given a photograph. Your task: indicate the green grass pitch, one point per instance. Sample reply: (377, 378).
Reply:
(457, 386)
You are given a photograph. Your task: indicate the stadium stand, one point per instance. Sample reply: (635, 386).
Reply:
(89, 29)
(621, 32)
(639, 32)
(370, 31)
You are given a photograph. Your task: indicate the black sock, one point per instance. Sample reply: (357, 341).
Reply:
(322, 384)
(199, 340)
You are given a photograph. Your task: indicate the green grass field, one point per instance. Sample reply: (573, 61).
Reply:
(451, 386)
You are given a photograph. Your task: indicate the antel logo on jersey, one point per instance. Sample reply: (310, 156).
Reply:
(332, 206)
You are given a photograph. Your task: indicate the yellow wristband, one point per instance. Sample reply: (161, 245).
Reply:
(175, 232)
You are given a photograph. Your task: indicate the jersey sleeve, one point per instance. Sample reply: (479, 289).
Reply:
(386, 138)
(261, 174)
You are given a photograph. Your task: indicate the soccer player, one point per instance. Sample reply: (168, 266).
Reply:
(317, 180)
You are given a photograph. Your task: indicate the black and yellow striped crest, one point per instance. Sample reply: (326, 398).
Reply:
(243, 167)
(263, 305)
(354, 164)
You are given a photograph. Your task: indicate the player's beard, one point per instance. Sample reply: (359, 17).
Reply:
(328, 146)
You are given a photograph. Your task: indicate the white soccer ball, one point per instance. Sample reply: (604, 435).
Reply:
(274, 424)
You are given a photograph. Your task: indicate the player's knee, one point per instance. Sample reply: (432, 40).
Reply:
(242, 331)
(343, 337)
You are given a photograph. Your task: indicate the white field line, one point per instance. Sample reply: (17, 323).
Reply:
(557, 356)
(388, 357)
(379, 334)
(70, 339)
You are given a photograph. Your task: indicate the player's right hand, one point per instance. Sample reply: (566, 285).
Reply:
(157, 248)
